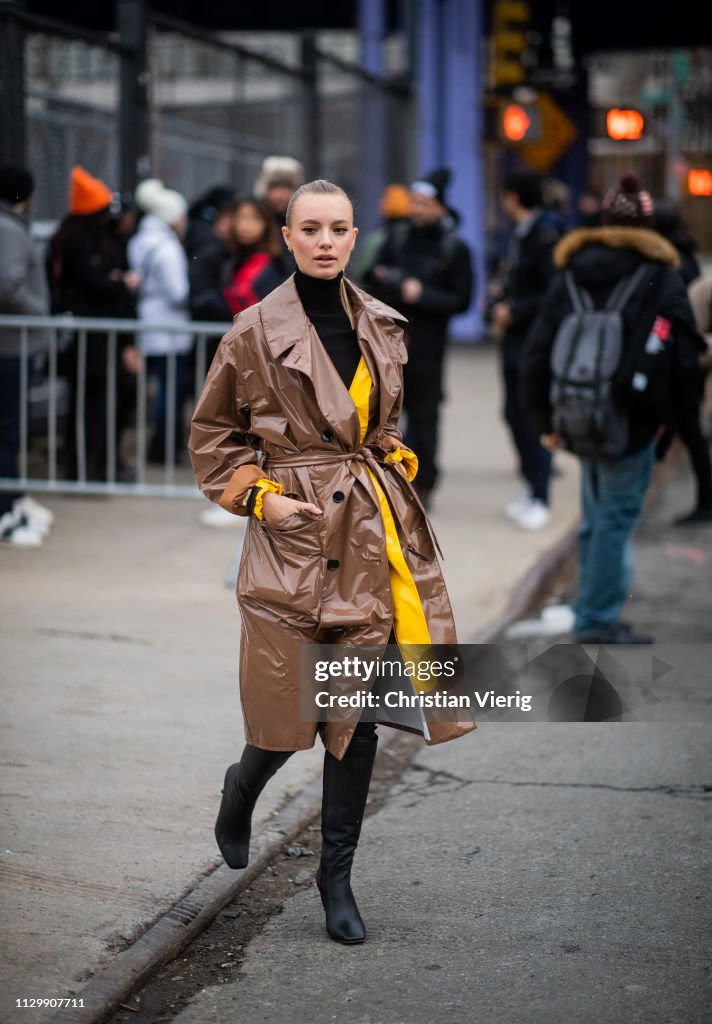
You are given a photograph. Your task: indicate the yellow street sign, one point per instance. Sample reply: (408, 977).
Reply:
(556, 134)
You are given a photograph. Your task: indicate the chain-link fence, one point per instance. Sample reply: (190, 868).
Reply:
(215, 108)
(215, 113)
(71, 112)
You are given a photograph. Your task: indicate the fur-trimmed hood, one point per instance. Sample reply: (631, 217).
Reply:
(649, 244)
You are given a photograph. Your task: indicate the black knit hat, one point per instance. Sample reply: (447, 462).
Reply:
(433, 184)
(627, 205)
(16, 184)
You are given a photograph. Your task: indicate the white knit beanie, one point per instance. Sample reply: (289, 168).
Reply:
(278, 170)
(169, 206)
(146, 193)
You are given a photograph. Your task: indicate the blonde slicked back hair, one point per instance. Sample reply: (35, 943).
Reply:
(320, 187)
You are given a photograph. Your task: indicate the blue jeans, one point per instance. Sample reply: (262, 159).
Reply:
(612, 496)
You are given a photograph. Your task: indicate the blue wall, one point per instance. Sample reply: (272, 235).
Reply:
(450, 122)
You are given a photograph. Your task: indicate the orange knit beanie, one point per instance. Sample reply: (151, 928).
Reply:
(395, 201)
(87, 194)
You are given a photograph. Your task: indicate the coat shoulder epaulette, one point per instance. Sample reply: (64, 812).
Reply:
(243, 323)
(375, 307)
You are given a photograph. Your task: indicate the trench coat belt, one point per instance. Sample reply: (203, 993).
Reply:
(320, 458)
(361, 454)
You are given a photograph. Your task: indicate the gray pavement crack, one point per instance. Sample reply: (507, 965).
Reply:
(699, 791)
(78, 634)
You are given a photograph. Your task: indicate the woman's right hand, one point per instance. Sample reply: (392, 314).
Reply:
(276, 507)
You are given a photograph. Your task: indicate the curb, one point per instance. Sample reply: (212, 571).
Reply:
(176, 929)
(537, 581)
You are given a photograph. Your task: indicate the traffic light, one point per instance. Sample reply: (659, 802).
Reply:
(510, 21)
(519, 123)
(624, 124)
(699, 181)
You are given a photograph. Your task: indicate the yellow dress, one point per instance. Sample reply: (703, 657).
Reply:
(409, 623)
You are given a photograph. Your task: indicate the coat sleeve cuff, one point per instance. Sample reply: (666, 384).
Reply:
(406, 457)
(261, 488)
(241, 481)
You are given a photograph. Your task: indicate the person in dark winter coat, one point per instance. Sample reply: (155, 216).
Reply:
(90, 279)
(670, 225)
(23, 292)
(656, 377)
(207, 217)
(529, 272)
(700, 292)
(207, 246)
(425, 270)
(395, 211)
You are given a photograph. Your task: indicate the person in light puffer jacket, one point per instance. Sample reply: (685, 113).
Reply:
(157, 255)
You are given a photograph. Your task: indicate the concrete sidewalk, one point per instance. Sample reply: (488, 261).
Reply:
(118, 645)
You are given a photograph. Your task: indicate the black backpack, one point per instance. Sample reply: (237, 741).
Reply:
(585, 358)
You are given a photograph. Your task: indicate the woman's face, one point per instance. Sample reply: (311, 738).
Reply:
(248, 224)
(322, 234)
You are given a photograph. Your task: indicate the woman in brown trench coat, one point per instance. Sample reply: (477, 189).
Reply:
(296, 427)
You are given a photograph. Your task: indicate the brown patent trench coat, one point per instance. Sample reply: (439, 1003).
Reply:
(273, 389)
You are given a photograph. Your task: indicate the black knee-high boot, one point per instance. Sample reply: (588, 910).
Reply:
(346, 786)
(244, 782)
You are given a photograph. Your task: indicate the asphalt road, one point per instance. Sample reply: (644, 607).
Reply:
(542, 873)
(120, 711)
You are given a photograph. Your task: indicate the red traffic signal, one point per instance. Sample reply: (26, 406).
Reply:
(624, 124)
(519, 123)
(699, 181)
(515, 122)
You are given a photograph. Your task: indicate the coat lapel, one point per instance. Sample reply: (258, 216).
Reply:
(374, 323)
(288, 330)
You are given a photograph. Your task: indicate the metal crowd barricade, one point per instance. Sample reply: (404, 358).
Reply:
(52, 327)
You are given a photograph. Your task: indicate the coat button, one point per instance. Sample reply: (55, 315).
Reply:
(332, 564)
(328, 436)
(338, 496)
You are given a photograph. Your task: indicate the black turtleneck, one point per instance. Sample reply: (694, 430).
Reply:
(322, 304)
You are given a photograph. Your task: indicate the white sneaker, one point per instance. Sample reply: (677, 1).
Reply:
(513, 508)
(38, 516)
(534, 516)
(217, 517)
(559, 616)
(15, 530)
